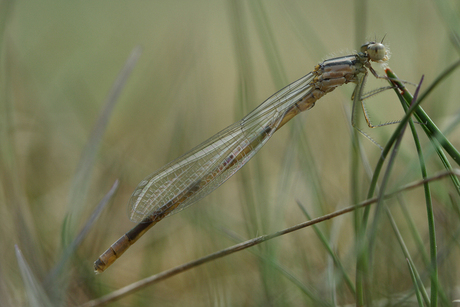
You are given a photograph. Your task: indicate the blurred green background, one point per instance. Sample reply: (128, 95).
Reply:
(204, 65)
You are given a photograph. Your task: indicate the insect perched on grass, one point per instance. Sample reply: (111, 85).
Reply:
(194, 175)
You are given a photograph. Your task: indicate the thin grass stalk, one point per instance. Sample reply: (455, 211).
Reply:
(273, 59)
(331, 253)
(378, 210)
(33, 288)
(428, 125)
(71, 248)
(118, 294)
(57, 280)
(308, 291)
(362, 265)
(245, 82)
(85, 167)
(252, 196)
(413, 230)
(429, 210)
(418, 284)
(418, 293)
(443, 75)
(433, 133)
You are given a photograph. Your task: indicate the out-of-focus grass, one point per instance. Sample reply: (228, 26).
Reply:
(205, 65)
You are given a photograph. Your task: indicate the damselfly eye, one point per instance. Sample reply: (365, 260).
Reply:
(377, 52)
(366, 46)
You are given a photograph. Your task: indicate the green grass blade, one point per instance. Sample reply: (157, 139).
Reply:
(70, 249)
(81, 180)
(408, 256)
(418, 294)
(430, 214)
(428, 125)
(362, 258)
(33, 287)
(331, 253)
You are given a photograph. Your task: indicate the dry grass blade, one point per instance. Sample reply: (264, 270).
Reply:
(118, 294)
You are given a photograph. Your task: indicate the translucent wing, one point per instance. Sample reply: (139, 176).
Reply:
(198, 172)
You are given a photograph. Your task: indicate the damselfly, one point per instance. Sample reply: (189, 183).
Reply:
(194, 175)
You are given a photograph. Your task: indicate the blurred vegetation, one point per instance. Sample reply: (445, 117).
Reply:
(204, 65)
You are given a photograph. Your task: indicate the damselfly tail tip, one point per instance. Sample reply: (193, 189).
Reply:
(98, 267)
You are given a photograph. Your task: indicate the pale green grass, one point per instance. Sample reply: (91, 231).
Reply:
(204, 65)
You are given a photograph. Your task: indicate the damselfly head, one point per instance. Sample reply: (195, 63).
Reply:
(377, 52)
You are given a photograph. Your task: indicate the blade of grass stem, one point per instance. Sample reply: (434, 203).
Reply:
(361, 266)
(406, 253)
(428, 125)
(81, 180)
(70, 249)
(270, 47)
(429, 209)
(380, 203)
(36, 294)
(245, 77)
(360, 11)
(413, 230)
(418, 294)
(257, 220)
(449, 14)
(386, 176)
(443, 75)
(328, 247)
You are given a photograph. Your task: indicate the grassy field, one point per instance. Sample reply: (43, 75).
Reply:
(66, 137)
